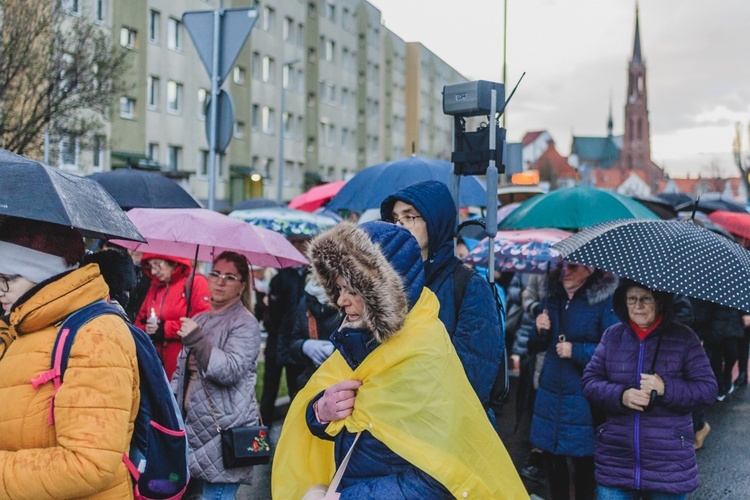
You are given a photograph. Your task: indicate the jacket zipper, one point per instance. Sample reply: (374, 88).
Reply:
(559, 388)
(637, 430)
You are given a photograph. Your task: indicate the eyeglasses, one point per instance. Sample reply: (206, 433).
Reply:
(5, 282)
(229, 278)
(157, 264)
(406, 221)
(646, 300)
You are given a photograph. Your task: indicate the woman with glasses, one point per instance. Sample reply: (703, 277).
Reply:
(166, 301)
(216, 372)
(576, 311)
(647, 375)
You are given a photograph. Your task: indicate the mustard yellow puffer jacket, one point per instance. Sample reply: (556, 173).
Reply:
(80, 456)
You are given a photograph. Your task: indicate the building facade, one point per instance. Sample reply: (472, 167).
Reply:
(355, 94)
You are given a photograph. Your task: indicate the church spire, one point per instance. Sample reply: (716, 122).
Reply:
(637, 43)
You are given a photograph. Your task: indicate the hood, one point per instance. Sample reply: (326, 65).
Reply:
(433, 201)
(382, 263)
(598, 287)
(666, 300)
(183, 267)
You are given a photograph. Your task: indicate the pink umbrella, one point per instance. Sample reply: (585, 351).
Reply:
(197, 233)
(316, 197)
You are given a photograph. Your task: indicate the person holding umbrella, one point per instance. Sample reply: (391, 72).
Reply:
(175, 292)
(647, 375)
(576, 310)
(81, 455)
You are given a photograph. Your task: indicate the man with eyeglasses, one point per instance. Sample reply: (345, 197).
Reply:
(427, 210)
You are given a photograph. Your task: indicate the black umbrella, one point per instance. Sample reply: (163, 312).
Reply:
(31, 190)
(253, 203)
(675, 199)
(666, 255)
(660, 207)
(711, 202)
(133, 188)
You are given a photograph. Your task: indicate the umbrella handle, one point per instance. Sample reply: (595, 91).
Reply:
(651, 402)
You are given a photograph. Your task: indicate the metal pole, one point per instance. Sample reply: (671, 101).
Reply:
(505, 50)
(491, 219)
(282, 110)
(213, 146)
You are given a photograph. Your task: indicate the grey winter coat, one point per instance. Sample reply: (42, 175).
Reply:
(226, 350)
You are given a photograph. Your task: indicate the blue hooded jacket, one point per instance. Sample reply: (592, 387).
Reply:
(476, 332)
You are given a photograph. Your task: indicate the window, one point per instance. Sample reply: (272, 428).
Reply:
(203, 163)
(287, 74)
(202, 103)
(153, 152)
(175, 158)
(268, 118)
(174, 97)
(127, 107)
(300, 35)
(98, 152)
(153, 92)
(331, 93)
(154, 19)
(311, 9)
(287, 28)
(300, 81)
(100, 11)
(238, 75)
(69, 151)
(71, 6)
(269, 18)
(331, 10)
(288, 120)
(288, 172)
(268, 69)
(330, 48)
(128, 37)
(255, 62)
(331, 136)
(255, 117)
(174, 34)
(239, 129)
(300, 124)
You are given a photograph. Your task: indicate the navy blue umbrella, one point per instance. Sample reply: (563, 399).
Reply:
(133, 188)
(369, 187)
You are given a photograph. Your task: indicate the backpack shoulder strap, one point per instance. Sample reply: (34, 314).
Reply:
(64, 343)
(461, 277)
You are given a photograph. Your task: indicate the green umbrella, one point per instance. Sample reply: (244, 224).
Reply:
(574, 208)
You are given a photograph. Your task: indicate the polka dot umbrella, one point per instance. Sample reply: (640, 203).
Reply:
(667, 255)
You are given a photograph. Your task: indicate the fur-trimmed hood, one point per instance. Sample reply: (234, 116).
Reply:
(598, 287)
(381, 262)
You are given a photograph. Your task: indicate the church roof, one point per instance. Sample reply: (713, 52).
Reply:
(602, 150)
(531, 137)
(637, 41)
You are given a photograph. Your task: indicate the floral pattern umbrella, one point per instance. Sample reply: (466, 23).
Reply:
(286, 221)
(524, 251)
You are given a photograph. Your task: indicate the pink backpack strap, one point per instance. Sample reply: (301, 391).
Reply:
(53, 374)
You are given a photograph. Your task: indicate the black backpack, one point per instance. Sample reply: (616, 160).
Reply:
(501, 386)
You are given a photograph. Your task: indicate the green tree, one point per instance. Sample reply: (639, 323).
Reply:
(58, 72)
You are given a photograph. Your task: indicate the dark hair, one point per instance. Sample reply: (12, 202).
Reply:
(54, 239)
(240, 262)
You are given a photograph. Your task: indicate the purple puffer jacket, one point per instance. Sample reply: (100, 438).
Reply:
(648, 451)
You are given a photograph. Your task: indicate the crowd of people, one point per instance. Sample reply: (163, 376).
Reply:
(389, 365)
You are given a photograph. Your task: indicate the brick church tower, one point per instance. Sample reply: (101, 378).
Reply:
(636, 144)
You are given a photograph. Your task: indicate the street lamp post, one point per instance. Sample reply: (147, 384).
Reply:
(282, 110)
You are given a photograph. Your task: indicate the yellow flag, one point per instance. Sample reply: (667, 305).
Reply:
(416, 399)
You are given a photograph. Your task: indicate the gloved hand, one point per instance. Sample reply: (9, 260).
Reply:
(317, 350)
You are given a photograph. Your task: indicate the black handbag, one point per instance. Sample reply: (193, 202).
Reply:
(240, 446)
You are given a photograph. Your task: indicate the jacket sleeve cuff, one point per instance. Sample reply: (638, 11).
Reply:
(316, 428)
(199, 346)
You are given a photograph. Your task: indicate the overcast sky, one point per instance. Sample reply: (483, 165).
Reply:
(575, 54)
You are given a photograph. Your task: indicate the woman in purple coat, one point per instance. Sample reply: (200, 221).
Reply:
(645, 445)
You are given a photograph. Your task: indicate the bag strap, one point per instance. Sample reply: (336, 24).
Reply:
(211, 408)
(461, 277)
(312, 325)
(340, 472)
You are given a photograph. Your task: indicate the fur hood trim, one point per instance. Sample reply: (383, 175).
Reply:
(347, 251)
(598, 288)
